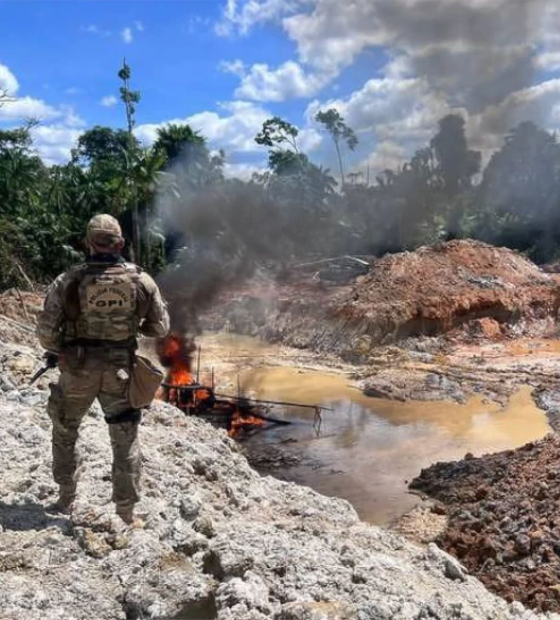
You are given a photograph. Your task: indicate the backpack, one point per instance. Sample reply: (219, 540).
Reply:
(101, 303)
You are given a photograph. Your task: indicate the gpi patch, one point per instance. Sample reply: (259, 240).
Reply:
(108, 297)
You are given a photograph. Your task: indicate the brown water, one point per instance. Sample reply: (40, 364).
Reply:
(369, 448)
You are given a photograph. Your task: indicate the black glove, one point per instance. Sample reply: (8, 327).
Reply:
(51, 359)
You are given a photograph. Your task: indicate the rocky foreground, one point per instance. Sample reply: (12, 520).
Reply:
(220, 541)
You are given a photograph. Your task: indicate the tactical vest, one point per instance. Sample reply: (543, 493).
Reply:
(101, 303)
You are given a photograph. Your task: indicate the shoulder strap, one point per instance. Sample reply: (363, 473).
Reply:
(132, 268)
(71, 301)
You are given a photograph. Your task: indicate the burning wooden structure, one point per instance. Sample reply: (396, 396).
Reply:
(237, 414)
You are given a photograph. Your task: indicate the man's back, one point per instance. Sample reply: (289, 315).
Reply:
(92, 316)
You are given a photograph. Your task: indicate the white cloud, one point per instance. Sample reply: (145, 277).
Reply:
(309, 140)
(548, 61)
(54, 142)
(234, 131)
(126, 35)
(390, 108)
(476, 51)
(96, 30)
(58, 129)
(235, 67)
(242, 171)
(288, 81)
(8, 80)
(328, 42)
(108, 101)
(139, 26)
(388, 155)
(24, 108)
(395, 117)
(539, 103)
(241, 16)
(391, 117)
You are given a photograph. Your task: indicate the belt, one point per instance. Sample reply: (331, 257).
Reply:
(92, 343)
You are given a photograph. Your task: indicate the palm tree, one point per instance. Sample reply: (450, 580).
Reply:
(178, 140)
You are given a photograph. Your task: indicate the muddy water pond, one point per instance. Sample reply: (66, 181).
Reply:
(368, 449)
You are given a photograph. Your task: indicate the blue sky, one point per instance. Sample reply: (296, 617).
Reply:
(391, 68)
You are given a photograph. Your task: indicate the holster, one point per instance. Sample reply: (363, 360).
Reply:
(145, 380)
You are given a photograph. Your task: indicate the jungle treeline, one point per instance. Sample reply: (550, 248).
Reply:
(175, 203)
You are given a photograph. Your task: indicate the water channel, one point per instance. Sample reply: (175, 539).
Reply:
(369, 448)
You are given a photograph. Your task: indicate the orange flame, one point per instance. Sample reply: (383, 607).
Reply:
(176, 354)
(240, 421)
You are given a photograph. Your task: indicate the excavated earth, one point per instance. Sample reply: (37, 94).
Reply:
(424, 293)
(503, 517)
(220, 541)
(438, 323)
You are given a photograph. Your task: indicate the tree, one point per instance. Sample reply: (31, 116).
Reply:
(130, 98)
(102, 146)
(456, 167)
(275, 132)
(15, 138)
(520, 191)
(339, 131)
(5, 97)
(457, 164)
(175, 140)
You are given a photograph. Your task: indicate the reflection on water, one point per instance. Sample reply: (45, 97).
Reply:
(369, 448)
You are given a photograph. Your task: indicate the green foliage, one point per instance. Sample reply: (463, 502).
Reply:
(101, 146)
(174, 140)
(293, 210)
(337, 128)
(129, 97)
(339, 131)
(275, 132)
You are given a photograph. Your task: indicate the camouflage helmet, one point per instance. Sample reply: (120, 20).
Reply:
(103, 231)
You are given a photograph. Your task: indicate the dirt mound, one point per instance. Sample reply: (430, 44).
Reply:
(504, 525)
(21, 306)
(427, 292)
(436, 288)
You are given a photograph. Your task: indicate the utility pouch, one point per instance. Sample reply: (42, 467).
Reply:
(145, 380)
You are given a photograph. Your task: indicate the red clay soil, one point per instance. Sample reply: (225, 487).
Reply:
(427, 292)
(504, 519)
(439, 287)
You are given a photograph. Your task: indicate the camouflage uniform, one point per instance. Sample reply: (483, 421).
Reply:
(91, 317)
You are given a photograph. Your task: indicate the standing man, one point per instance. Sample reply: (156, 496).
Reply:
(90, 321)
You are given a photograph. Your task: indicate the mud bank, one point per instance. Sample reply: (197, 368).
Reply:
(220, 541)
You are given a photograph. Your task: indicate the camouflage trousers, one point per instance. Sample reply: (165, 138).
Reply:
(79, 385)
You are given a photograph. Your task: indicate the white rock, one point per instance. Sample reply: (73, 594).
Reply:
(263, 549)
